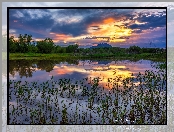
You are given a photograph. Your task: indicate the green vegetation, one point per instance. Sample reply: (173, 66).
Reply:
(139, 99)
(72, 56)
(39, 56)
(24, 44)
(23, 48)
(133, 52)
(59, 101)
(26, 67)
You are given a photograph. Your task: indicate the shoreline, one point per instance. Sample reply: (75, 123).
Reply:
(71, 56)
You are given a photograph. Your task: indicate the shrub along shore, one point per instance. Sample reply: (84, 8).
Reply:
(40, 56)
(25, 48)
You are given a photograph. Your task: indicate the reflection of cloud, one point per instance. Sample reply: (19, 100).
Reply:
(116, 66)
(93, 69)
(62, 70)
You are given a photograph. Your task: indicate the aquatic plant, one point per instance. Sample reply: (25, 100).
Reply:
(139, 99)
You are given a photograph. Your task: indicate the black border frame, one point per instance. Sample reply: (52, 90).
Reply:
(8, 8)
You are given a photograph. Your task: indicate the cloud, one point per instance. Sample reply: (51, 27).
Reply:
(23, 21)
(74, 29)
(115, 26)
(152, 21)
(88, 17)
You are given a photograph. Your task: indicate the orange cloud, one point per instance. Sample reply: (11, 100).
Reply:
(108, 31)
(108, 20)
(60, 37)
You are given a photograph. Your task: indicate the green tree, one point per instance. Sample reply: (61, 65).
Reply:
(134, 49)
(32, 48)
(23, 43)
(45, 46)
(57, 49)
(71, 48)
(12, 45)
(62, 50)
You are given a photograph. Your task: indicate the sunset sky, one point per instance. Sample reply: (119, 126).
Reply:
(87, 27)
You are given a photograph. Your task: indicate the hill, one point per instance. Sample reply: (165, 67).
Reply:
(102, 45)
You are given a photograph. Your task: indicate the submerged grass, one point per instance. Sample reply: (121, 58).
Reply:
(140, 99)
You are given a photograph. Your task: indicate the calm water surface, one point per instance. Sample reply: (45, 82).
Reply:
(42, 71)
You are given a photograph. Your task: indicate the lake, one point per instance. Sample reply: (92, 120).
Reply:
(84, 77)
(43, 70)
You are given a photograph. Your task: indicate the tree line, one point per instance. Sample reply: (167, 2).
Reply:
(24, 44)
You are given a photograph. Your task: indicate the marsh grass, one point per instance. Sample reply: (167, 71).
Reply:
(139, 99)
(65, 56)
(40, 56)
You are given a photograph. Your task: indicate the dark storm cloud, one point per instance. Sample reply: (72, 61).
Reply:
(40, 23)
(30, 24)
(78, 28)
(33, 24)
(89, 16)
(153, 21)
(76, 22)
(74, 29)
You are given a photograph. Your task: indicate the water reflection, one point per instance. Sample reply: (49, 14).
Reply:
(42, 70)
(25, 68)
(73, 87)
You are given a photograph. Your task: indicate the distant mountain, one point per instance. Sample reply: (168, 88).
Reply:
(102, 45)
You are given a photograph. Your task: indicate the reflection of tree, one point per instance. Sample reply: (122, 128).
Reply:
(48, 65)
(45, 65)
(24, 68)
(27, 67)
